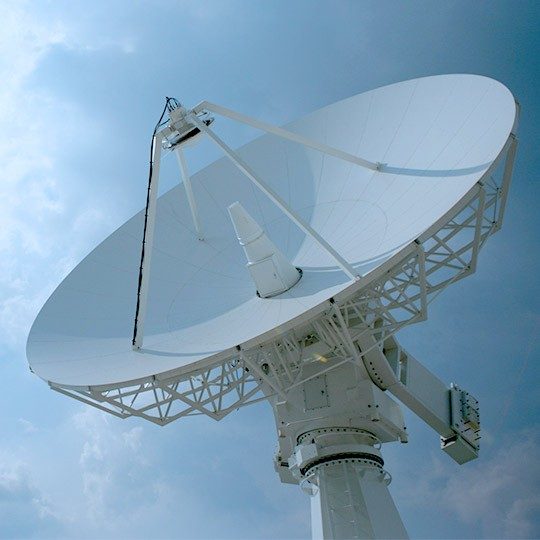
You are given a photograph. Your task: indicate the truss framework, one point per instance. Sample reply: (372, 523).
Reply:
(379, 308)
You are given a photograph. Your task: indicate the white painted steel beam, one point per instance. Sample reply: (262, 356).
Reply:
(276, 199)
(285, 134)
(189, 191)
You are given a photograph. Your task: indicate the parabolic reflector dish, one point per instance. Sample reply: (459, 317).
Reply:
(436, 137)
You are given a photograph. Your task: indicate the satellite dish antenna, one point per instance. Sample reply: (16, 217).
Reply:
(283, 272)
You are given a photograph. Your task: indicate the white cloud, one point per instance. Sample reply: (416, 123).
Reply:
(501, 492)
(28, 427)
(107, 455)
(87, 478)
(42, 230)
(23, 508)
(28, 192)
(498, 494)
(23, 41)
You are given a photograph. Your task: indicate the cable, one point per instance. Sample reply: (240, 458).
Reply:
(166, 107)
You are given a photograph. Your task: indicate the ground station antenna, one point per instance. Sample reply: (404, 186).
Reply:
(310, 321)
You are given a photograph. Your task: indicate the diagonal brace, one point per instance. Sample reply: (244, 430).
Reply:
(285, 134)
(275, 198)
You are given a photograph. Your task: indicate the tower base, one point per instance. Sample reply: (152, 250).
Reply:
(351, 500)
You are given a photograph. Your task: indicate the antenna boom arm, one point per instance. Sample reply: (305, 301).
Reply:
(451, 412)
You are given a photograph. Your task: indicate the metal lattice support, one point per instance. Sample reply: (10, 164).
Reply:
(379, 308)
(214, 392)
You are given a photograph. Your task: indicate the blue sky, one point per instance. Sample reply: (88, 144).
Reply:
(82, 84)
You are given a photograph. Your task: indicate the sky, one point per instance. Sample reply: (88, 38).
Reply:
(82, 85)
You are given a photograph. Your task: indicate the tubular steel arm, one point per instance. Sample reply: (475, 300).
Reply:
(276, 199)
(280, 132)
